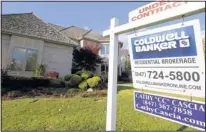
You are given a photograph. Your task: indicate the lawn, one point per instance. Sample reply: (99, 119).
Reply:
(79, 114)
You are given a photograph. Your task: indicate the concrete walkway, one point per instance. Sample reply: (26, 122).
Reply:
(125, 84)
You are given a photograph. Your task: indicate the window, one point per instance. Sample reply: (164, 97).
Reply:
(23, 59)
(104, 49)
(31, 60)
(18, 58)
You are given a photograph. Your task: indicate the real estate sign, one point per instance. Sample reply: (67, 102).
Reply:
(159, 10)
(169, 59)
(188, 113)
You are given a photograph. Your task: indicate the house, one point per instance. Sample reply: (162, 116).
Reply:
(124, 54)
(88, 37)
(28, 41)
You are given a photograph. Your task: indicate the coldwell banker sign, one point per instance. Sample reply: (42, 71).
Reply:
(188, 113)
(169, 59)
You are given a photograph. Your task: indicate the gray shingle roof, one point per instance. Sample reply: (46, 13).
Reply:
(74, 32)
(58, 27)
(30, 25)
(77, 34)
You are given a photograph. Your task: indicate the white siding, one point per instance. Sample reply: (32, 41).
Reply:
(57, 58)
(5, 47)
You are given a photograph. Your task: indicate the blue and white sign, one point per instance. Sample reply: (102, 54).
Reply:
(177, 42)
(189, 113)
(169, 59)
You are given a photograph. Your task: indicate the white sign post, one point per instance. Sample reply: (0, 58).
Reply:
(112, 80)
(190, 8)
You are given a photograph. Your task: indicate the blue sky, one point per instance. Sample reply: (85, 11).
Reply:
(88, 15)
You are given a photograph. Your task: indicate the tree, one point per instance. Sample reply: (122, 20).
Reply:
(85, 59)
(93, 48)
(128, 66)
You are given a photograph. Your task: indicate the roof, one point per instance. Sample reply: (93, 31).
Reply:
(79, 33)
(30, 25)
(74, 32)
(58, 27)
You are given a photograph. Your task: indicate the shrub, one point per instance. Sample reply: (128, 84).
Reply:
(4, 74)
(79, 73)
(26, 84)
(85, 75)
(14, 94)
(74, 80)
(125, 74)
(56, 83)
(83, 85)
(67, 77)
(61, 78)
(58, 92)
(94, 81)
(72, 92)
(91, 73)
(40, 71)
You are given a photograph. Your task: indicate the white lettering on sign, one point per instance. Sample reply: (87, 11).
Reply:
(162, 42)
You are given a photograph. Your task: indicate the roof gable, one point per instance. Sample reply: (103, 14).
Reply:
(31, 25)
(74, 32)
(57, 27)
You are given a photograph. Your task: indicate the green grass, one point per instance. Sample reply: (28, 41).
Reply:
(79, 114)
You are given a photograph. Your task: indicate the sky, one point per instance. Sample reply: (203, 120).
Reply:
(87, 15)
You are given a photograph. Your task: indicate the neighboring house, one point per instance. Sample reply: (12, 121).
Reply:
(124, 54)
(28, 41)
(88, 37)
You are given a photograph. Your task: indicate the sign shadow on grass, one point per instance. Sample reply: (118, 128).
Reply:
(182, 128)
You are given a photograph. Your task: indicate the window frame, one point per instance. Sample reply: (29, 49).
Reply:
(23, 69)
(106, 50)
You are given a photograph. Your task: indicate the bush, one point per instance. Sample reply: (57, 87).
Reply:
(4, 74)
(85, 75)
(83, 85)
(74, 80)
(14, 94)
(67, 77)
(61, 78)
(40, 71)
(94, 81)
(125, 74)
(26, 84)
(79, 73)
(56, 83)
(59, 92)
(72, 92)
